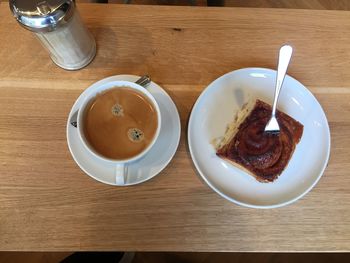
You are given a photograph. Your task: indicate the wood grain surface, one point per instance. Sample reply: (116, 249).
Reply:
(300, 4)
(47, 203)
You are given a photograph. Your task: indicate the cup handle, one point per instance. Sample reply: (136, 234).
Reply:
(120, 171)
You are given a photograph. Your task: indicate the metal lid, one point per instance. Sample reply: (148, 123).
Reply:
(42, 16)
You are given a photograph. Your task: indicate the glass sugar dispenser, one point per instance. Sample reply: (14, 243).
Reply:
(58, 26)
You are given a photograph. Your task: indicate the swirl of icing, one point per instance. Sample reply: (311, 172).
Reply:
(259, 148)
(267, 153)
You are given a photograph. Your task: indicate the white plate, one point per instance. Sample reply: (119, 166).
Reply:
(156, 159)
(216, 107)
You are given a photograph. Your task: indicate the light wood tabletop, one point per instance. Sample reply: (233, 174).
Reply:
(47, 203)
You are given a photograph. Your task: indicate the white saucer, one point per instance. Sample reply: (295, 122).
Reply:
(149, 166)
(216, 107)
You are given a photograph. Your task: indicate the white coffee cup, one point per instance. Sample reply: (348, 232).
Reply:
(121, 166)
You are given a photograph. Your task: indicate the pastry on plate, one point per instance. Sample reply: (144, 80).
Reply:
(261, 154)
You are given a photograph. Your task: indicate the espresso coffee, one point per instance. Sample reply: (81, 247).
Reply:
(120, 123)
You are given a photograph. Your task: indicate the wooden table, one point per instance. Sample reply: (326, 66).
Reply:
(47, 203)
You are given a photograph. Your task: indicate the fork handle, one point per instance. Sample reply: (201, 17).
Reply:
(284, 57)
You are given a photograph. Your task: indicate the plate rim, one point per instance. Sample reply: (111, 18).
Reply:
(233, 200)
(101, 82)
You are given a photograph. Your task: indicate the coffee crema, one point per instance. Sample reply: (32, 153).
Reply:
(120, 123)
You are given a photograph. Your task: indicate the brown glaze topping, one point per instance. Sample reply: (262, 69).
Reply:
(264, 154)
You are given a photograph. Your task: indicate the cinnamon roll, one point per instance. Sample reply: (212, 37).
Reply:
(263, 155)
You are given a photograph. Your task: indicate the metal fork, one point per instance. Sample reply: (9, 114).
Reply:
(285, 55)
